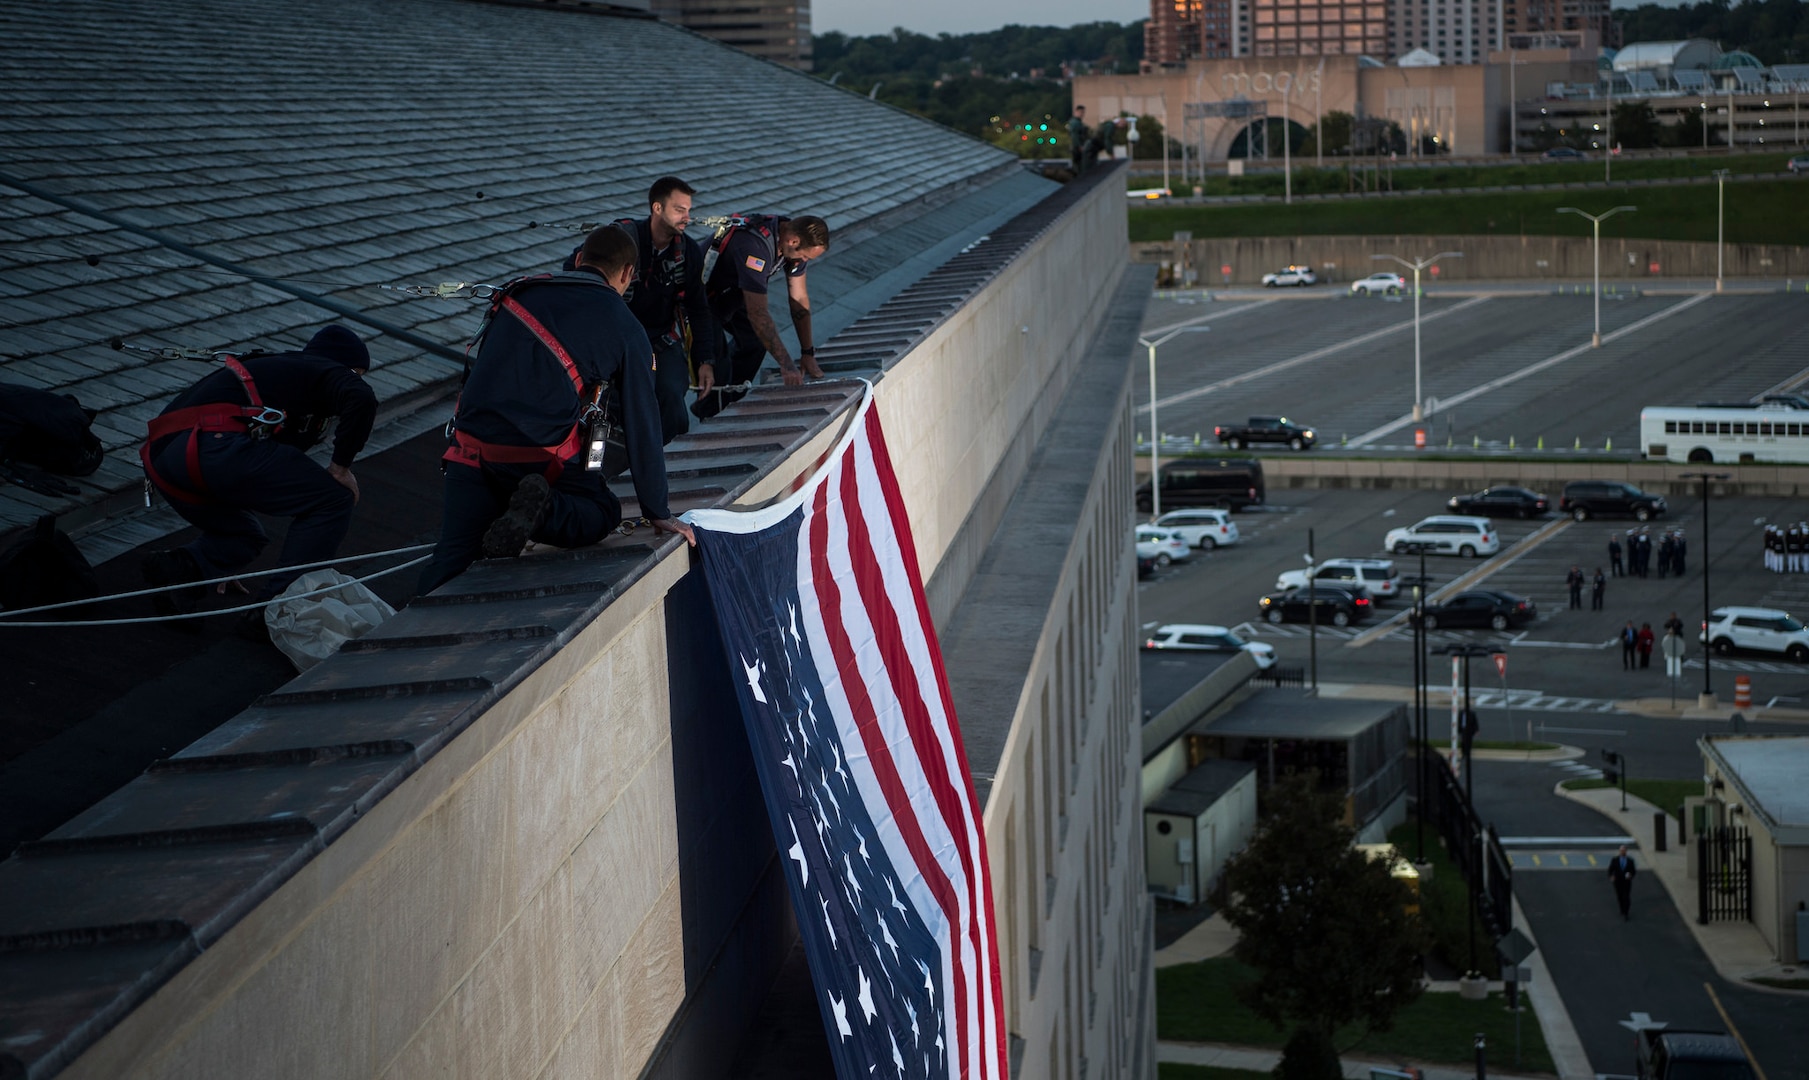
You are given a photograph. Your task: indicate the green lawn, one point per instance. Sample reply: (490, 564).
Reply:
(1667, 795)
(1198, 1003)
(1764, 211)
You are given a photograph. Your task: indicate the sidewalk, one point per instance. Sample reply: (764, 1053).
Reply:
(1252, 1059)
(1736, 949)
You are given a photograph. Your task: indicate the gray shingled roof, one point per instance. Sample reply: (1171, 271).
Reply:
(333, 148)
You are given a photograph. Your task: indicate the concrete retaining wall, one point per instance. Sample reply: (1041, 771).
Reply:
(1486, 258)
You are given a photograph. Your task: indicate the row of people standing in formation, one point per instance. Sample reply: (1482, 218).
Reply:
(1787, 548)
(577, 375)
(1637, 643)
(1637, 545)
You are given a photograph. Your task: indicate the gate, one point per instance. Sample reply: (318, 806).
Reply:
(1723, 875)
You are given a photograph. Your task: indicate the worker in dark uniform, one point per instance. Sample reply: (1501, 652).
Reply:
(667, 294)
(756, 249)
(554, 347)
(231, 446)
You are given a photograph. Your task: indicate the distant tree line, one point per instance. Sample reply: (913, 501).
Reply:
(1775, 31)
(989, 84)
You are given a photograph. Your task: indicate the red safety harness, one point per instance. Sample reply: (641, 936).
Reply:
(197, 420)
(468, 450)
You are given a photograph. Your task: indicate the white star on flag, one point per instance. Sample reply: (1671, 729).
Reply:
(754, 671)
(866, 997)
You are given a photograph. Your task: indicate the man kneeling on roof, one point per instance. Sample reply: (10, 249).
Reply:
(233, 444)
(755, 249)
(529, 434)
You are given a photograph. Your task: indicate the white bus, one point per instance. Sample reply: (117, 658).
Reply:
(1772, 432)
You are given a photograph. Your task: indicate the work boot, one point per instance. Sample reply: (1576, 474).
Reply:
(172, 566)
(528, 507)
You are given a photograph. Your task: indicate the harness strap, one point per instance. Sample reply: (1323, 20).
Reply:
(467, 450)
(539, 330)
(195, 421)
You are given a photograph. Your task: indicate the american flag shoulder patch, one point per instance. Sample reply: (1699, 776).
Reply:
(756, 263)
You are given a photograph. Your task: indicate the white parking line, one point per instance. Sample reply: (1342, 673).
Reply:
(1227, 313)
(1445, 403)
(1304, 358)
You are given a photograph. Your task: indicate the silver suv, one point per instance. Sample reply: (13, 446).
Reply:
(1757, 628)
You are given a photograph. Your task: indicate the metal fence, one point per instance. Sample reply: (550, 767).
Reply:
(1477, 852)
(1724, 875)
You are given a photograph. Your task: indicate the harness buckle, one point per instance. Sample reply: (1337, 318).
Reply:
(265, 423)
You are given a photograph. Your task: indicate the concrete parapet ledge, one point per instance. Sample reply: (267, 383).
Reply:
(1737, 950)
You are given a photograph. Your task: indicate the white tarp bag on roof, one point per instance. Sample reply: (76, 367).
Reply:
(311, 629)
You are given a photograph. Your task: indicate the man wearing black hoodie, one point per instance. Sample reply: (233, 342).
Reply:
(233, 446)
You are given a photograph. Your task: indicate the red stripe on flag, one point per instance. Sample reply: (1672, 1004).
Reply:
(889, 637)
(866, 719)
(901, 531)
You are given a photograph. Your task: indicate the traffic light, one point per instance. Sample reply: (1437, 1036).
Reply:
(1612, 759)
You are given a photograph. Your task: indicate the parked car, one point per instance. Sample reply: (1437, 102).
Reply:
(1162, 545)
(1564, 153)
(1500, 502)
(1584, 499)
(1195, 637)
(1233, 483)
(1481, 607)
(1664, 1054)
(1446, 534)
(1378, 577)
(1336, 606)
(1204, 529)
(1761, 629)
(1798, 164)
(1385, 281)
(1291, 275)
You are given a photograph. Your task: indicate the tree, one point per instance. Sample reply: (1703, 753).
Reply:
(1325, 927)
(1636, 126)
(1337, 128)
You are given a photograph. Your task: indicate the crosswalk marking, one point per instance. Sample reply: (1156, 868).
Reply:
(1554, 860)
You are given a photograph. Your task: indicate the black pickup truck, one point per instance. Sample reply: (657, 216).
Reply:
(1271, 429)
(1690, 1055)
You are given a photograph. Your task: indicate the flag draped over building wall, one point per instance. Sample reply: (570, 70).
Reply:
(847, 708)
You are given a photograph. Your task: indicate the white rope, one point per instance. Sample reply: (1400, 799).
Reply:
(5, 615)
(222, 611)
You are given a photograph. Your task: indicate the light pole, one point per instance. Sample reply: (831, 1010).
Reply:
(1595, 342)
(1155, 436)
(1420, 678)
(1416, 267)
(1708, 689)
(1467, 732)
(1721, 176)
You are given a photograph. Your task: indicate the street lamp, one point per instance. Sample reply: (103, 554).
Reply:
(1721, 176)
(1468, 733)
(1596, 341)
(1416, 267)
(1420, 675)
(1155, 437)
(1707, 700)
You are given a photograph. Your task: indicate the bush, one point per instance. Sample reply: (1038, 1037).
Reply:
(1309, 1055)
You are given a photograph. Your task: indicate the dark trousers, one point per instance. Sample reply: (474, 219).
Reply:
(1645, 658)
(1623, 895)
(671, 385)
(1595, 599)
(739, 362)
(1627, 655)
(1576, 597)
(246, 476)
(1614, 564)
(583, 511)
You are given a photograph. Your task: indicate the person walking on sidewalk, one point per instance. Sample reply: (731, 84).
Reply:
(1598, 590)
(1614, 554)
(1629, 642)
(1574, 579)
(1672, 648)
(1621, 871)
(1645, 641)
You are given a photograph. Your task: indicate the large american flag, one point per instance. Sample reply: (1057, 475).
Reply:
(847, 708)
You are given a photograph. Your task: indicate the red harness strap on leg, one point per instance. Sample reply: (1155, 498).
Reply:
(193, 422)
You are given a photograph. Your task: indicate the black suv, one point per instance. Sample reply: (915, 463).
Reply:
(1584, 499)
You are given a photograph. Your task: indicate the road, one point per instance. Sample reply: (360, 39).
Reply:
(1346, 366)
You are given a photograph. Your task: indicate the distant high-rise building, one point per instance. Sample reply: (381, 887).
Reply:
(777, 30)
(1545, 16)
(1319, 27)
(1181, 30)
(1455, 31)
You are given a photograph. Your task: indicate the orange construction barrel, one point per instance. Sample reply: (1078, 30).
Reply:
(1419, 438)
(1742, 691)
